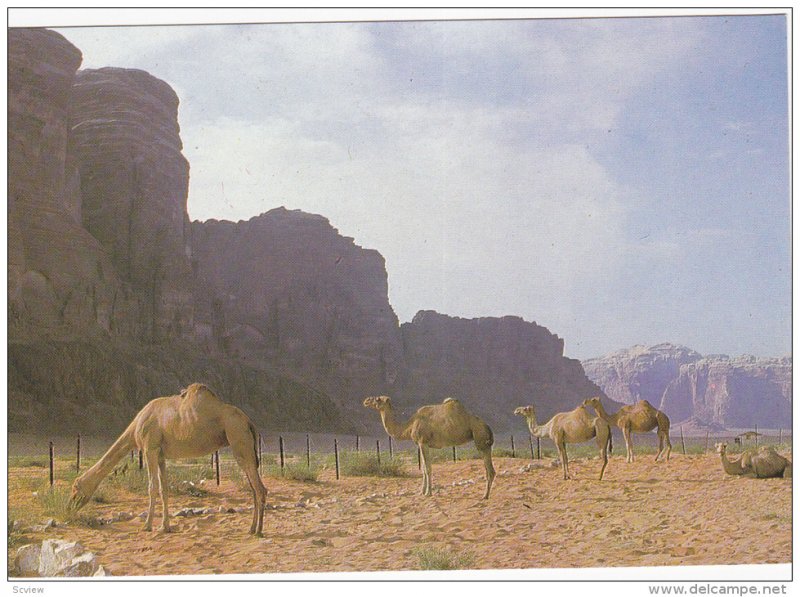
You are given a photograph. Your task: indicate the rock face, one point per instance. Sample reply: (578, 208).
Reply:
(715, 390)
(492, 365)
(639, 372)
(286, 288)
(60, 281)
(116, 298)
(738, 392)
(133, 186)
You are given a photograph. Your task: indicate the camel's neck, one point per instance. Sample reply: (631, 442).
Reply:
(732, 467)
(608, 418)
(537, 430)
(392, 426)
(92, 477)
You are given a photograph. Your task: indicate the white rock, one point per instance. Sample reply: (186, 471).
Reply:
(56, 555)
(102, 572)
(83, 565)
(26, 562)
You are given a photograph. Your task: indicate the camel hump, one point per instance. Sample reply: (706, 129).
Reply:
(452, 403)
(198, 390)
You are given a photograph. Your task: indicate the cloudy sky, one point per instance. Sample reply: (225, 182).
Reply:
(618, 181)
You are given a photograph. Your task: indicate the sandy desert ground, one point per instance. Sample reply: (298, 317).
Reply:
(684, 512)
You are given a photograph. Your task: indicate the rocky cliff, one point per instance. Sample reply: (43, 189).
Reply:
(115, 297)
(713, 390)
(287, 289)
(492, 364)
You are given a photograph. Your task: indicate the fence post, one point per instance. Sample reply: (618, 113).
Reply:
(530, 441)
(780, 435)
(378, 449)
(419, 459)
(513, 452)
(336, 456)
(280, 447)
(141, 459)
(683, 444)
(52, 456)
(260, 442)
(454, 453)
(132, 451)
(358, 449)
(391, 454)
(78, 460)
(308, 450)
(538, 449)
(217, 465)
(756, 436)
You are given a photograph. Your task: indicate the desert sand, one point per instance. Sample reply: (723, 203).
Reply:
(684, 512)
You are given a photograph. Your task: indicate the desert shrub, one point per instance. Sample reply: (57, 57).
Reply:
(361, 464)
(439, 558)
(54, 502)
(296, 471)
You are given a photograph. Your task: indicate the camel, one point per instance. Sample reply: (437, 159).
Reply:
(571, 427)
(636, 418)
(195, 423)
(762, 464)
(438, 426)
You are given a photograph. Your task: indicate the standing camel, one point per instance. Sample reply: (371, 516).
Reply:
(571, 427)
(438, 426)
(193, 424)
(636, 418)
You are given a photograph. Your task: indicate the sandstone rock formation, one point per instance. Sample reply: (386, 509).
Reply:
(738, 392)
(714, 390)
(286, 288)
(492, 364)
(639, 372)
(115, 297)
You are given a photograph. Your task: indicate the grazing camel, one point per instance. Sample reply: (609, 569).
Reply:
(764, 464)
(639, 418)
(194, 424)
(571, 427)
(438, 426)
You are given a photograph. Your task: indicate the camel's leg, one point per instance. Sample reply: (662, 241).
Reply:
(602, 444)
(660, 446)
(245, 456)
(425, 454)
(151, 457)
(490, 474)
(669, 443)
(562, 452)
(163, 489)
(626, 432)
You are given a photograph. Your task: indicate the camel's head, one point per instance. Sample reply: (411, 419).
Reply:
(525, 411)
(592, 402)
(721, 447)
(378, 402)
(80, 495)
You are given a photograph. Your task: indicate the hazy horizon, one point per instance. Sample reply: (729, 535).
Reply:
(618, 181)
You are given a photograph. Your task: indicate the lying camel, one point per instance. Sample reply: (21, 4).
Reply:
(762, 464)
(438, 426)
(195, 423)
(571, 427)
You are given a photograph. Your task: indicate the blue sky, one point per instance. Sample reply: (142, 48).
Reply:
(619, 181)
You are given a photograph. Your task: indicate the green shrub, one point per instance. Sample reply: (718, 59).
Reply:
(55, 503)
(296, 471)
(438, 558)
(361, 464)
(27, 461)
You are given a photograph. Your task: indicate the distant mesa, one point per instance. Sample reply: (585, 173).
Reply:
(732, 392)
